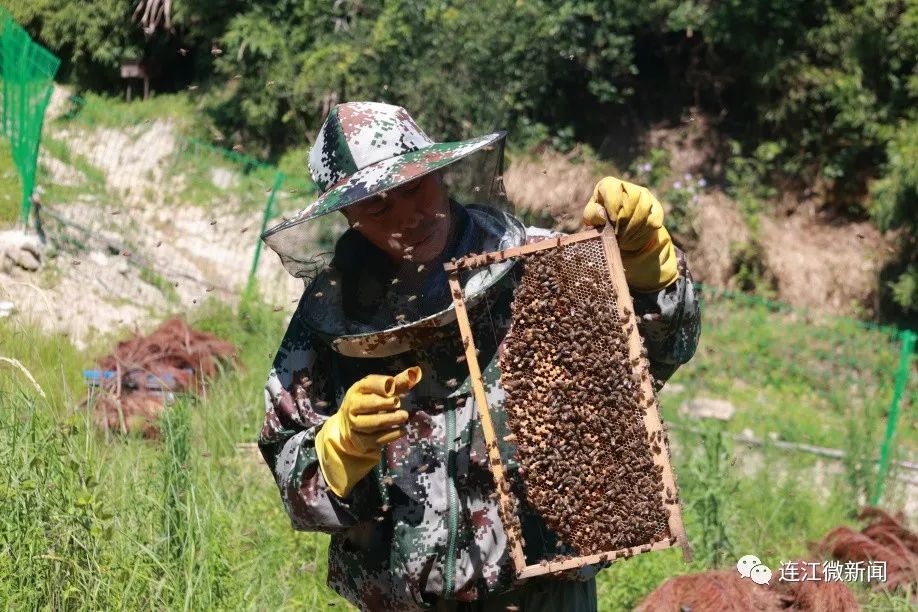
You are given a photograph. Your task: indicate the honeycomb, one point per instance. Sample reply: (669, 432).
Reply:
(576, 403)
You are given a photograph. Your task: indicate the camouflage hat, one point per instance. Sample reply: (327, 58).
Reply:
(365, 148)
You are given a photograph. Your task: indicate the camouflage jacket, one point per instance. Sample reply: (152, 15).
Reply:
(423, 524)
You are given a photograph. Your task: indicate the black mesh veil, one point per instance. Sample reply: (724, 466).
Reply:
(307, 248)
(360, 300)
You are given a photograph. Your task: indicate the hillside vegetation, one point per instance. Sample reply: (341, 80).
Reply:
(807, 101)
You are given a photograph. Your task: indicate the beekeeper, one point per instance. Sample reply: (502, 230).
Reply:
(371, 429)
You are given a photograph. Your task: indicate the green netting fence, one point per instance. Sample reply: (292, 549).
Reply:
(26, 81)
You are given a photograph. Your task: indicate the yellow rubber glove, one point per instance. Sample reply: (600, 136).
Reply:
(648, 254)
(348, 443)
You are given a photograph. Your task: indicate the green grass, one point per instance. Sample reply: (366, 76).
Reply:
(775, 513)
(807, 380)
(199, 174)
(197, 167)
(10, 188)
(192, 521)
(186, 522)
(105, 111)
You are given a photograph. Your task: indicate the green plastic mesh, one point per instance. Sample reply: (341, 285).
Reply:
(26, 80)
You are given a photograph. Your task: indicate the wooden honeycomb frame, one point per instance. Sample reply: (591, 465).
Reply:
(652, 421)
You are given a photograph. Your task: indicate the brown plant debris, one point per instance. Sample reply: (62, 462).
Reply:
(727, 591)
(174, 357)
(886, 538)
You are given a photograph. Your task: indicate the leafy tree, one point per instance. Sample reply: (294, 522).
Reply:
(91, 38)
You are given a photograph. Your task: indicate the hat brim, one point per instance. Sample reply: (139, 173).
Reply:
(385, 175)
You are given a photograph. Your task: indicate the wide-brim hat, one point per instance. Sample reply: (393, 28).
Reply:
(367, 148)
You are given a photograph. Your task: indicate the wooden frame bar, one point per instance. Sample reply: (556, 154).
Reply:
(652, 421)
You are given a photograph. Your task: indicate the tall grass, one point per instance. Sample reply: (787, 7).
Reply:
(193, 520)
(10, 188)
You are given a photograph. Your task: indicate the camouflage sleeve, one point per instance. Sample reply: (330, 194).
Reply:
(296, 406)
(669, 320)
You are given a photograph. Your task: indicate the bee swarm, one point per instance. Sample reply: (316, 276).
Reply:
(575, 405)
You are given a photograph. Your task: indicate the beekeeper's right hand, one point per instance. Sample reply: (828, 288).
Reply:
(349, 442)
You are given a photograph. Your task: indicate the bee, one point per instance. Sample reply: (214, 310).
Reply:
(420, 267)
(318, 294)
(394, 281)
(452, 382)
(159, 243)
(411, 298)
(214, 221)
